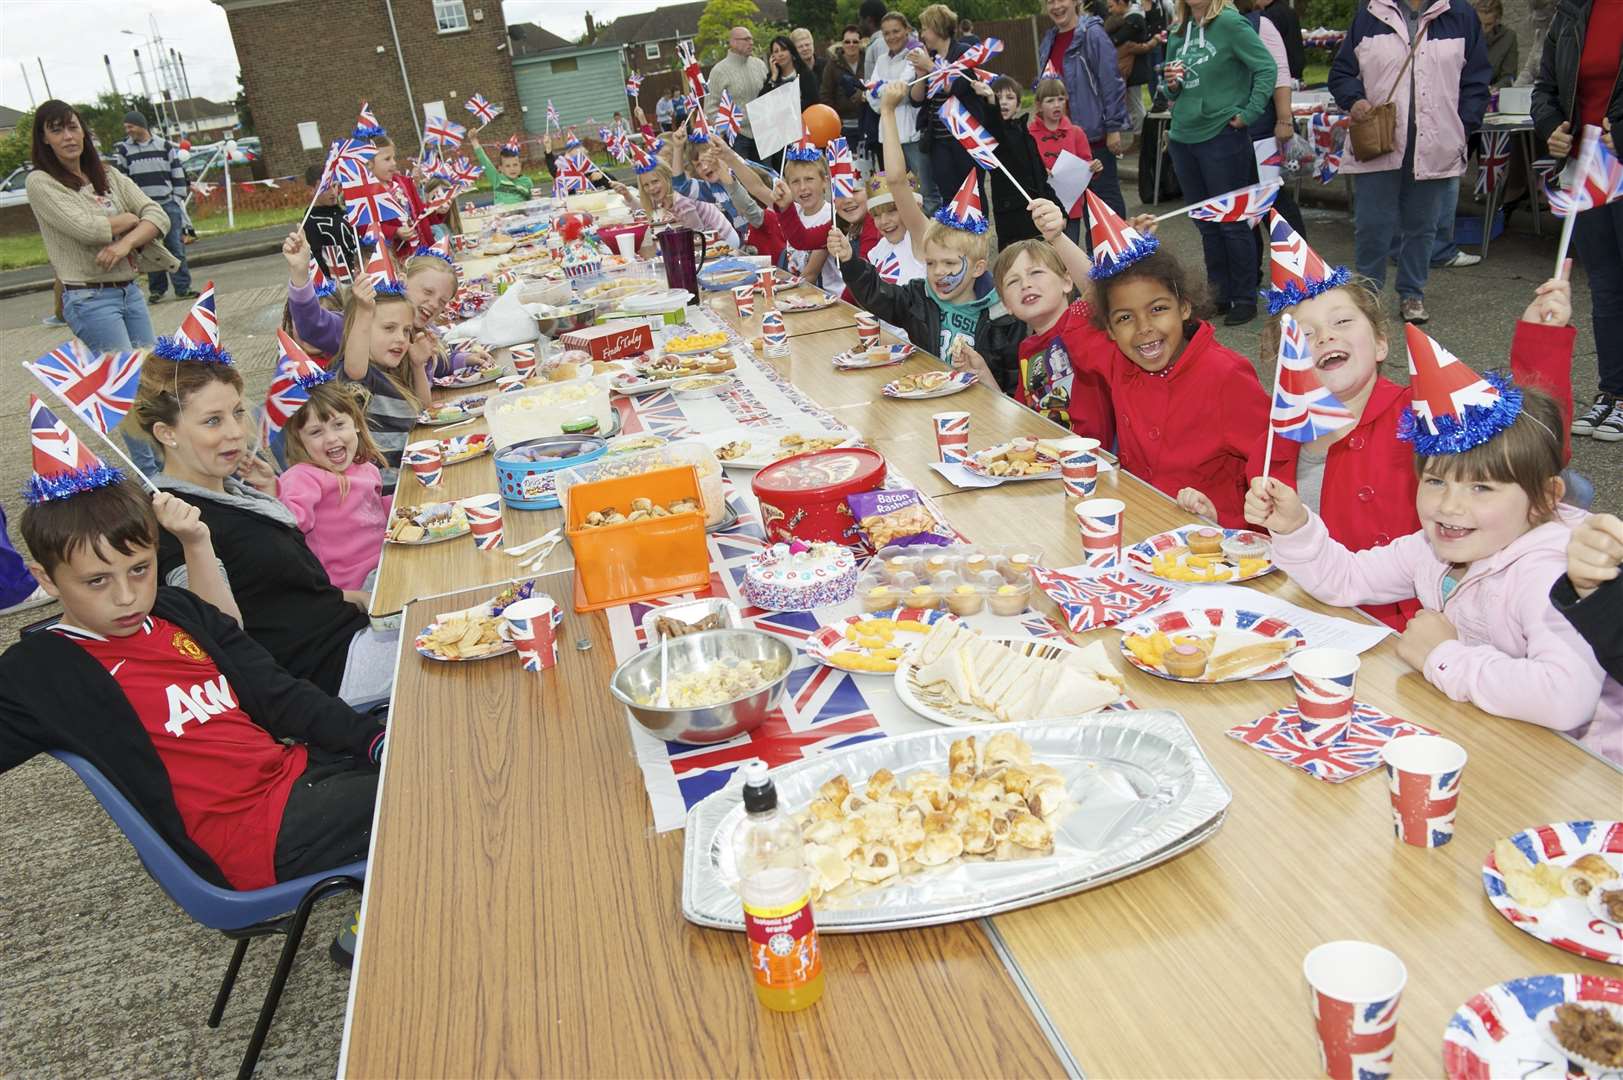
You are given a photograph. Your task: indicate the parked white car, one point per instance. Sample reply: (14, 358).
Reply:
(13, 191)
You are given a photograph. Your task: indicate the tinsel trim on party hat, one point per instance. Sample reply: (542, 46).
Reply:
(434, 252)
(1481, 422)
(1110, 266)
(389, 288)
(646, 160)
(1291, 294)
(179, 350)
(802, 149)
(977, 226)
(65, 485)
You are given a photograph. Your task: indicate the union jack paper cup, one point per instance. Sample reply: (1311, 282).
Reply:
(1079, 469)
(765, 282)
(425, 460)
(744, 299)
(484, 514)
(509, 384)
(1355, 987)
(1423, 776)
(530, 626)
(773, 332)
(1100, 522)
(523, 357)
(951, 435)
(867, 330)
(1324, 680)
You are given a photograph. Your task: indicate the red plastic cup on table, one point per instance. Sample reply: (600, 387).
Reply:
(1079, 468)
(1355, 988)
(867, 330)
(1423, 777)
(530, 626)
(484, 513)
(1100, 521)
(744, 300)
(951, 435)
(523, 357)
(1324, 681)
(425, 460)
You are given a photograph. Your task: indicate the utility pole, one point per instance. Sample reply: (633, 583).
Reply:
(46, 78)
(146, 91)
(108, 60)
(24, 69)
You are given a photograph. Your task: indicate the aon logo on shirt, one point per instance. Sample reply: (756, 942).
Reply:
(198, 703)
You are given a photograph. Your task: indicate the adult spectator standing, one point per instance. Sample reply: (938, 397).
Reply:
(1398, 194)
(665, 111)
(1124, 22)
(1283, 16)
(893, 65)
(1228, 81)
(949, 161)
(842, 84)
(784, 65)
(869, 17)
(1275, 121)
(1080, 50)
(153, 162)
(741, 73)
(1504, 56)
(93, 220)
(806, 46)
(1579, 83)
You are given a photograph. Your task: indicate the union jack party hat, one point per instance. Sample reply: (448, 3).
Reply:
(1049, 71)
(63, 466)
(1296, 271)
(803, 149)
(964, 211)
(366, 125)
(322, 284)
(296, 375)
(198, 338)
(441, 249)
(645, 161)
(380, 267)
(1116, 244)
(1454, 408)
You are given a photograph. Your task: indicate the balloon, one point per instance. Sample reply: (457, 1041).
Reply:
(184, 153)
(823, 123)
(185, 144)
(570, 226)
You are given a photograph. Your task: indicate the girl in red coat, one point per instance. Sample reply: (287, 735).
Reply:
(1361, 478)
(1051, 128)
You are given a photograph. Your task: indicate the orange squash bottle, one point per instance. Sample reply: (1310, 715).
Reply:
(776, 889)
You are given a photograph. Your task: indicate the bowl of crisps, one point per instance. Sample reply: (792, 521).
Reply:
(723, 683)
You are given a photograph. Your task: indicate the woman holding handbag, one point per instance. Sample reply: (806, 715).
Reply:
(98, 228)
(1402, 157)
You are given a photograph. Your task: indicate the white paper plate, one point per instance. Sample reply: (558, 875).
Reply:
(764, 442)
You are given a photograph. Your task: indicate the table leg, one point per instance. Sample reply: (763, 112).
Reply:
(1487, 220)
(1160, 149)
(1531, 148)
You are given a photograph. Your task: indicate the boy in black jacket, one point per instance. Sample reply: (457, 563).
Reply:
(1018, 152)
(164, 694)
(1590, 597)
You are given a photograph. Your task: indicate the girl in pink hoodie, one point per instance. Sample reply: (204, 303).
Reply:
(1493, 539)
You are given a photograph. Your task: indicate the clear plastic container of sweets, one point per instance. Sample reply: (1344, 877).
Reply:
(776, 890)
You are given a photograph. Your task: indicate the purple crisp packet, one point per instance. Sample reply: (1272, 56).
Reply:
(897, 516)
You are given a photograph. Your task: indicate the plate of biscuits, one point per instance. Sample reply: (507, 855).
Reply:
(1210, 645)
(1203, 553)
(1017, 459)
(1563, 884)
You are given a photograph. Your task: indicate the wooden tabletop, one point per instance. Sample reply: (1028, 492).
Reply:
(1190, 969)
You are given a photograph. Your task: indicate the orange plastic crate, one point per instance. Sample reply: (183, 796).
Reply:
(637, 560)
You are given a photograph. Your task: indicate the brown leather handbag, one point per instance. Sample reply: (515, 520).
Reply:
(1376, 134)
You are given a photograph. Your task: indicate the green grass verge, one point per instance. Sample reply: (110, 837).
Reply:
(28, 249)
(24, 249)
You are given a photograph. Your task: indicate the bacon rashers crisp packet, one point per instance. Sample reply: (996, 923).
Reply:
(899, 516)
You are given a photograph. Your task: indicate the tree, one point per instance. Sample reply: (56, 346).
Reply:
(818, 16)
(245, 116)
(717, 21)
(15, 147)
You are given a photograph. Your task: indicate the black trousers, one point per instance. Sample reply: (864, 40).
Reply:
(328, 819)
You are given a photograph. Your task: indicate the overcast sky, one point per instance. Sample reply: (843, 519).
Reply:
(69, 37)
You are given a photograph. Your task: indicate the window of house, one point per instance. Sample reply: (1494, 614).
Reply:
(650, 50)
(567, 64)
(450, 15)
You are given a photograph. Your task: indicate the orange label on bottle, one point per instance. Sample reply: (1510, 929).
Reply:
(783, 944)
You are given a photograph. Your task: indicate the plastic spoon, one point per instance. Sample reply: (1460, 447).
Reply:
(664, 699)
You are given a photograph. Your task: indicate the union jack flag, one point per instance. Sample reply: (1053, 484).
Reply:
(889, 268)
(464, 169)
(873, 86)
(1595, 178)
(633, 84)
(980, 53)
(367, 200)
(1442, 384)
(290, 387)
(99, 389)
(201, 325)
(842, 170)
(729, 117)
(941, 76)
(442, 132)
(572, 169)
(1493, 161)
(691, 69)
(379, 268)
(1304, 408)
(366, 125)
(552, 116)
(513, 145)
(1245, 204)
(483, 109)
(969, 133)
(1102, 600)
(337, 262)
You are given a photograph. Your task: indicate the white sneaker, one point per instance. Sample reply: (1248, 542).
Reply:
(1610, 429)
(39, 598)
(1460, 259)
(1584, 423)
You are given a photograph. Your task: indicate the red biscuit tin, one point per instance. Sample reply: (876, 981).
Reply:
(614, 340)
(803, 497)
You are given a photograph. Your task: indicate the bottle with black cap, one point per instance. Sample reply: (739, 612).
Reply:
(776, 890)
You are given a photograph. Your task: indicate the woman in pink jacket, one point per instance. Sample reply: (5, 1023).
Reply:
(1493, 540)
(1400, 194)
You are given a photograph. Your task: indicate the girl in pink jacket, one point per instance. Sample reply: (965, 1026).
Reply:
(1493, 539)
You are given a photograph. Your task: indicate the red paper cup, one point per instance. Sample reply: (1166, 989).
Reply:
(744, 299)
(1355, 988)
(1423, 776)
(1324, 679)
(1079, 468)
(1100, 522)
(425, 460)
(484, 513)
(867, 330)
(952, 435)
(529, 625)
(523, 357)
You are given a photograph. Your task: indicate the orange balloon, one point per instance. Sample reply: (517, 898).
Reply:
(822, 122)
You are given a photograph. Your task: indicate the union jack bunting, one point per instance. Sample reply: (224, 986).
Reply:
(1304, 408)
(366, 125)
(729, 117)
(99, 389)
(296, 374)
(483, 109)
(63, 466)
(1246, 204)
(1493, 161)
(969, 133)
(1102, 600)
(842, 169)
(633, 84)
(442, 132)
(367, 200)
(889, 268)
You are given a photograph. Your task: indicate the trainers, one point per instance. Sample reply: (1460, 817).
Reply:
(188, 294)
(1584, 423)
(38, 598)
(1611, 428)
(1413, 310)
(53, 319)
(342, 949)
(1240, 314)
(1458, 259)
(155, 298)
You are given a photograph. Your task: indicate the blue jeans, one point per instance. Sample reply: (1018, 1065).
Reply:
(1395, 209)
(111, 320)
(1597, 240)
(1443, 247)
(1105, 182)
(1222, 163)
(159, 283)
(16, 583)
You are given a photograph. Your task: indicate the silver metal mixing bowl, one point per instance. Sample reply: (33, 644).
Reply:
(638, 677)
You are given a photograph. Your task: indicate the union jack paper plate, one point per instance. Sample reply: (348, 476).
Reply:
(500, 647)
(1505, 1030)
(460, 448)
(1167, 556)
(856, 361)
(454, 411)
(831, 639)
(1231, 625)
(1567, 923)
(954, 382)
(1282, 736)
(470, 376)
(980, 463)
(794, 304)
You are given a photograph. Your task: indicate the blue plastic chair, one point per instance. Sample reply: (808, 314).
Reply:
(284, 908)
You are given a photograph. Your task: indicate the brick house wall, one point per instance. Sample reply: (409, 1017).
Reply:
(317, 60)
